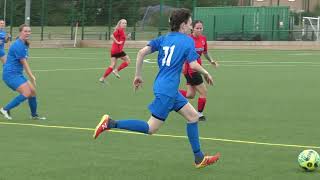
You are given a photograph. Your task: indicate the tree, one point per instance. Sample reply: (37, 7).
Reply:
(63, 12)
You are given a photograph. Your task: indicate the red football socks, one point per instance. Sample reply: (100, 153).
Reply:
(107, 72)
(201, 104)
(123, 65)
(183, 92)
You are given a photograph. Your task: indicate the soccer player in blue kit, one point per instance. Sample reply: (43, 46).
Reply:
(174, 48)
(13, 76)
(4, 37)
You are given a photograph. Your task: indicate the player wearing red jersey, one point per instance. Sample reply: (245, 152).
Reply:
(194, 79)
(119, 38)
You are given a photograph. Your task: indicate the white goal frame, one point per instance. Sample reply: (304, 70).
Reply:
(315, 27)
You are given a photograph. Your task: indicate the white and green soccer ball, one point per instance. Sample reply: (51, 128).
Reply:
(309, 160)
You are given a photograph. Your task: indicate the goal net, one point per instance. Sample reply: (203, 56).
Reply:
(311, 28)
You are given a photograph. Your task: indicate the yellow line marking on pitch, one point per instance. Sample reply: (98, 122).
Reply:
(167, 135)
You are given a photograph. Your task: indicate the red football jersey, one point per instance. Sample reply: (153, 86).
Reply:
(119, 35)
(201, 46)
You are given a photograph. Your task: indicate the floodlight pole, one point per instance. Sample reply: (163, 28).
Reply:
(5, 10)
(82, 18)
(160, 20)
(12, 11)
(318, 37)
(42, 18)
(109, 19)
(194, 5)
(27, 12)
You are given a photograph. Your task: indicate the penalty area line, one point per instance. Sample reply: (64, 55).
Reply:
(165, 135)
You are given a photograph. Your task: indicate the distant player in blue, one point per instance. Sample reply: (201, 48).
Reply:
(174, 48)
(4, 38)
(13, 76)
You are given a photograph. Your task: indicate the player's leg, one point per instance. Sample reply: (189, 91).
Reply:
(191, 115)
(202, 100)
(140, 126)
(20, 85)
(197, 83)
(160, 109)
(2, 56)
(190, 92)
(125, 63)
(33, 104)
(107, 72)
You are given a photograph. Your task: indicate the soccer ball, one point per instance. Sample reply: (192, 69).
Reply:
(309, 160)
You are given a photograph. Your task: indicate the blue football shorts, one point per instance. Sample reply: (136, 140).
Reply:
(162, 105)
(14, 82)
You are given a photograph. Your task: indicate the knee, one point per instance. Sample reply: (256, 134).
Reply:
(33, 93)
(203, 94)
(152, 130)
(194, 117)
(27, 94)
(190, 96)
(112, 64)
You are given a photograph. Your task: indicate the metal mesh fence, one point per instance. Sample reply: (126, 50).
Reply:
(245, 23)
(95, 19)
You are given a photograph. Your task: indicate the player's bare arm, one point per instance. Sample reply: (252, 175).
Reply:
(211, 60)
(28, 71)
(197, 67)
(115, 40)
(137, 82)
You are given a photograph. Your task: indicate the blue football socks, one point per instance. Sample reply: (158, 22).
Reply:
(33, 106)
(15, 102)
(193, 136)
(132, 125)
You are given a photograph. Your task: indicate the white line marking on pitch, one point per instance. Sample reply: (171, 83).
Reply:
(150, 61)
(103, 58)
(167, 135)
(309, 64)
(301, 54)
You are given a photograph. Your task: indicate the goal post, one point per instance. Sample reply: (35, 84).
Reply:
(311, 24)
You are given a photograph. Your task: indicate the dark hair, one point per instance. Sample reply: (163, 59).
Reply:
(22, 26)
(27, 43)
(196, 22)
(178, 17)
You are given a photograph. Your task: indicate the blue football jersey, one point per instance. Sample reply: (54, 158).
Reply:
(174, 49)
(2, 38)
(17, 51)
